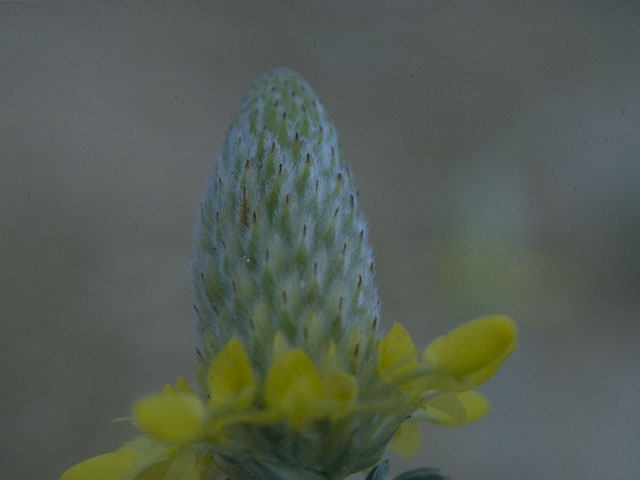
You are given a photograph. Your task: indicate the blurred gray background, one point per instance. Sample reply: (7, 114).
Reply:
(497, 153)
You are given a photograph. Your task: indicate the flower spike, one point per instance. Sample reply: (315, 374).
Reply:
(295, 377)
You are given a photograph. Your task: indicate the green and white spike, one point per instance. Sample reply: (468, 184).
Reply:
(281, 244)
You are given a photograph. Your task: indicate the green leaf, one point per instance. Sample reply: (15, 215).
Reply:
(379, 472)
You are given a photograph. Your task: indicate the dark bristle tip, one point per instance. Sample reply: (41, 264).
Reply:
(284, 296)
(308, 158)
(359, 281)
(356, 350)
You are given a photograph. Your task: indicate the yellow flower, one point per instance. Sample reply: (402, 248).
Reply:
(140, 460)
(397, 354)
(173, 417)
(231, 381)
(470, 355)
(295, 390)
(475, 350)
(406, 440)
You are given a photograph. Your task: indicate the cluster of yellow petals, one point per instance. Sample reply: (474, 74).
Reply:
(295, 390)
(452, 366)
(299, 392)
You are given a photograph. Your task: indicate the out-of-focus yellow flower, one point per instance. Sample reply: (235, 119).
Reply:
(172, 417)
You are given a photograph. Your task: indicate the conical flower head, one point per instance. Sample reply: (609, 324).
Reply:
(281, 242)
(295, 380)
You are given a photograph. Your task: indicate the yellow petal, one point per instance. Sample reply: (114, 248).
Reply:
(175, 417)
(397, 354)
(301, 403)
(231, 381)
(476, 349)
(181, 386)
(292, 387)
(110, 466)
(454, 408)
(285, 371)
(340, 387)
(183, 467)
(406, 441)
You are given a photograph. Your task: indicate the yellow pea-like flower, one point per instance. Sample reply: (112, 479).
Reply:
(293, 386)
(231, 381)
(475, 350)
(109, 466)
(340, 387)
(173, 417)
(407, 440)
(397, 354)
